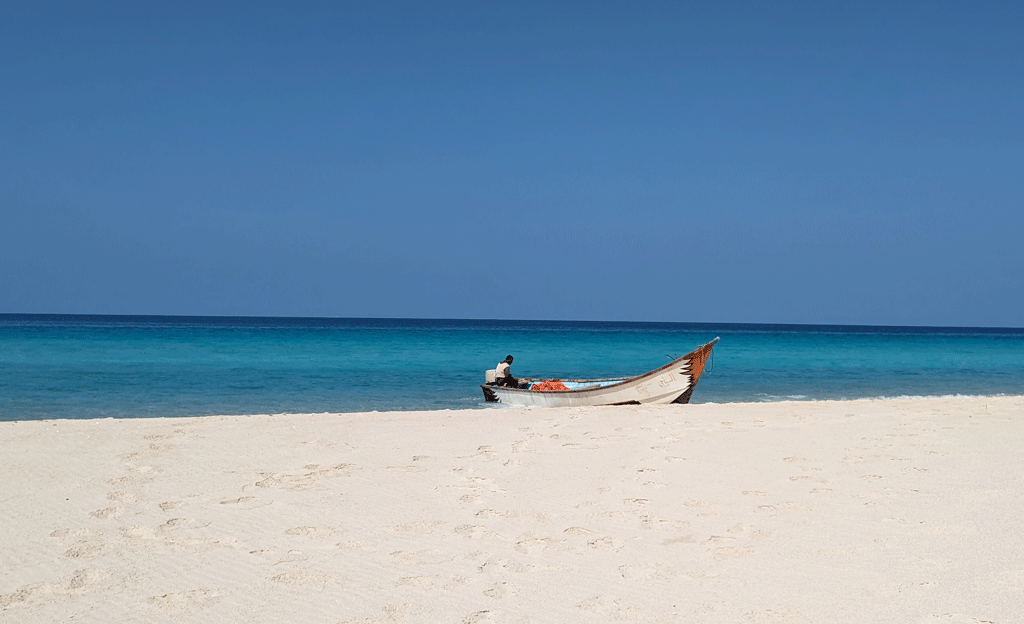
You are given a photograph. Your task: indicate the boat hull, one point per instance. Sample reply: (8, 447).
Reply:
(672, 383)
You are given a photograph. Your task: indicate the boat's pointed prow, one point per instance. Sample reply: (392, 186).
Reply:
(696, 359)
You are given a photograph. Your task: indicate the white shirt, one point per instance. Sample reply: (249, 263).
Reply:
(501, 370)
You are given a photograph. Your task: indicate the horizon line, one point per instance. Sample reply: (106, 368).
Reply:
(499, 320)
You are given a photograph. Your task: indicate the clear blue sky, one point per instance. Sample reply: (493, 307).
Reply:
(721, 162)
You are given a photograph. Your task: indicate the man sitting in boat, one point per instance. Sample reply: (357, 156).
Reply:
(503, 377)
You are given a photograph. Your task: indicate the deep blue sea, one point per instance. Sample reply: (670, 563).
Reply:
(71, 366)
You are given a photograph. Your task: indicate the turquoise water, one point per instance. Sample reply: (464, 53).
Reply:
(55, 366)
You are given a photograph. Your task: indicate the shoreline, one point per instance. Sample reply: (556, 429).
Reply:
(859, 510)
(482, 406)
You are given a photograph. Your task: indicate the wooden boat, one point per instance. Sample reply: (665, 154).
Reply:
(672, 383)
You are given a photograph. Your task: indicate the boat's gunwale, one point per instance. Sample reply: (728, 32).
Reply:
(656, 371)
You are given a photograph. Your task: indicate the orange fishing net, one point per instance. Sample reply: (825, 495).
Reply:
(548, 386)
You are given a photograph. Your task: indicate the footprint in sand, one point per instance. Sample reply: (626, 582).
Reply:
(490, 564)
(87, 576)
(699, 504)
(354, 545)
(650, 521)
(269, 482)
(752, 533)
(808, 478)
(484, 453)
(731, 552)
(195, 597)
(306, 480)
(66, 533)
(478, 483)
(418, 528)
(302, 577)
(435, 581)
(531, 543)
(475, 531)
(513, 514)
(182, 523)
(646, 572)
(123, 481)
(522, 446)
(82, 578)
(312, 532)
(420, 557)
(138, 532)
(83, 550)
(501, 589)
(233, 501)
(575, 530)
(121, 496)
(108, 512)
(606, 543)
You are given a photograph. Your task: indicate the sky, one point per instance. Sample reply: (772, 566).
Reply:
(692, 162)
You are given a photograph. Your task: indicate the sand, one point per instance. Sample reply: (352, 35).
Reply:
(905, 510)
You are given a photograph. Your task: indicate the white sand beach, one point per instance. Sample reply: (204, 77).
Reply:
(903, 510)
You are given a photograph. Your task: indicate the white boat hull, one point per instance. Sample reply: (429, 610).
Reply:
(672, 383)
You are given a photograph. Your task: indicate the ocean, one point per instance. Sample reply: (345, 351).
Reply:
(79, 366)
